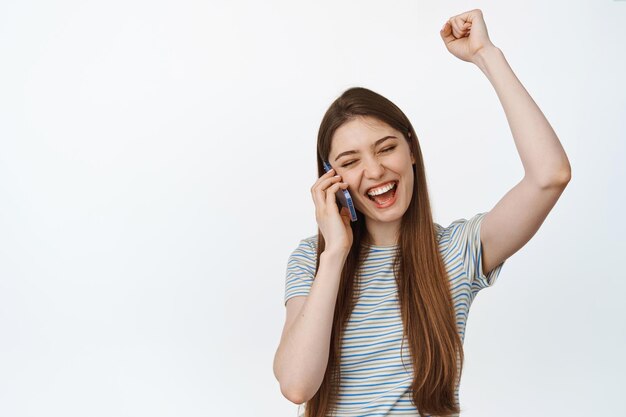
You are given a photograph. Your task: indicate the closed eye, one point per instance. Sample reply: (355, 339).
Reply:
(388, 149)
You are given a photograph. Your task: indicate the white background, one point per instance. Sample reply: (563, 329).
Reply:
(155, 166)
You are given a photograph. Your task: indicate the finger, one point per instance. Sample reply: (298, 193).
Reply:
(467, 19)
(446, 29)
(456, 28)
(323, 177)
(327, 174)
(462, 23)
(332, 190)
(319, 190)
(331, 198)
(322, 183)
(317, 201)
(319, 197)
(448, 34)
(345, 215)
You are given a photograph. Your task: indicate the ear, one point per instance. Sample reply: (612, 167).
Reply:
(412, 159)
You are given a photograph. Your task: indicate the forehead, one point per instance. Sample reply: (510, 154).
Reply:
(362, 131)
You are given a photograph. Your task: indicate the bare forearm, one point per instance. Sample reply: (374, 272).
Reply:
(302, 355)
(540, 150)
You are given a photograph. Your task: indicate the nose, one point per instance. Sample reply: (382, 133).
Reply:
(373, 168)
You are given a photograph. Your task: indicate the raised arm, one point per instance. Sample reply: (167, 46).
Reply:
(515, 219)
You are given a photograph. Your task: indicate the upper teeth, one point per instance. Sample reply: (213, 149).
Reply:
(380, 190)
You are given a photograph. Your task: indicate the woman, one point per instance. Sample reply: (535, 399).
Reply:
(376, 308)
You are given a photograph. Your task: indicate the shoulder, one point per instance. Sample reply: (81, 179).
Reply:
(459, 234)
(306, 250)
(308, 243)
(460, 225)
(301, 268)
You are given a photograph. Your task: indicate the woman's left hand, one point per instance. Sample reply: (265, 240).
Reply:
(466, 34)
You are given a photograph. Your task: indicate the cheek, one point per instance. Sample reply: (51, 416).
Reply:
(410, 186)
(349, 177)
(353, 185)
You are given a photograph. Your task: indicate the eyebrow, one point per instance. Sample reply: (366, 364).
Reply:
(378, 142)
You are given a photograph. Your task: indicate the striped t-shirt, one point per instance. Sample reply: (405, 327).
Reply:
(375, 375)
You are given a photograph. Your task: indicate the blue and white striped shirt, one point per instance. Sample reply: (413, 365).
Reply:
(376, 368)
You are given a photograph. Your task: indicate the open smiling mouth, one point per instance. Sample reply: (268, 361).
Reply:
(386, 196)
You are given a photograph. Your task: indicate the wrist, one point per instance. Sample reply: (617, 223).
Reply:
(485, 55)
(335, 255)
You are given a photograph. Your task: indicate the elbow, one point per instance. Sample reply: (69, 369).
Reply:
(565, 174)
(295, 391)
(294, 385)
(558, 179)
(568, 175)
(562, 178)
(295, 396)
(290, 390)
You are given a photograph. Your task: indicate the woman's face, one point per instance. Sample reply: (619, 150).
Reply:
(371, 157)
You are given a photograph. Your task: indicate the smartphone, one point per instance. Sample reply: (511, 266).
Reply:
(344, 197)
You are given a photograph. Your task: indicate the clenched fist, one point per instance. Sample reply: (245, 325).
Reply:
(466, 34)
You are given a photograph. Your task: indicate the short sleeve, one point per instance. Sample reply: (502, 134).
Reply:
(465, 241)
(300, 269)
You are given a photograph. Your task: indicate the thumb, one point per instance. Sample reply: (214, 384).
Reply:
(345, 215)
(446, 32)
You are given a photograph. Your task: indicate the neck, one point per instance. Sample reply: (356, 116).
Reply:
(383, 233)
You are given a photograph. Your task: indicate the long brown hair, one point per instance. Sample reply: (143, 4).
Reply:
(427, 310)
